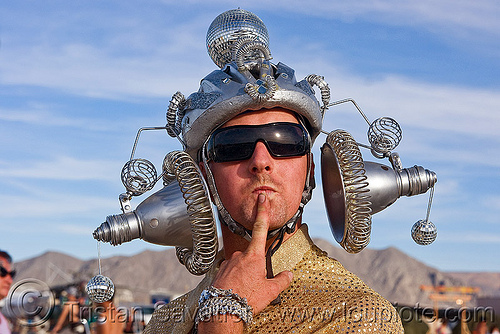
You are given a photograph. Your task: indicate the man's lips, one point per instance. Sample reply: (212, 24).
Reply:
(264, 189)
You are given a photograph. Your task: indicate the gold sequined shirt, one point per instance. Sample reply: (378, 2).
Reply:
(323, 298)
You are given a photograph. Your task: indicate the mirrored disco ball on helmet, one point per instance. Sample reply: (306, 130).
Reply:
(100, 289)
(229, 27)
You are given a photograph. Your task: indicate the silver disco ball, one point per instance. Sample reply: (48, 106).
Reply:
(424, 232)
(229, 27)
(100, 289)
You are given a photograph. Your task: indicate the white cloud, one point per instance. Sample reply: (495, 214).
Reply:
(445, 123)
(470, 237)
(460, 17)
(122, 61)
(61, 168)
(86, 70)
(162, 55)
(74, 229)
(40, 114)
(50, 205)
(429, 106)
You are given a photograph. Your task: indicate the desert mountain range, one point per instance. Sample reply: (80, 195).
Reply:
(390, 272)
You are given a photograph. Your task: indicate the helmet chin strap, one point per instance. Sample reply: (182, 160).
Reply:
(237, 228)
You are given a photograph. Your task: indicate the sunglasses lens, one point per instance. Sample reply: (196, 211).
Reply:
(238, 142)
(4, 272)
(231, 145)
(291, 142)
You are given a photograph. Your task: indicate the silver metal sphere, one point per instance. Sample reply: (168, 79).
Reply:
(100, 289)
(230, 26)
(424, 232)
(138, 176)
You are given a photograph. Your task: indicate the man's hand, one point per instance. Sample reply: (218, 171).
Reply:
(245, 272)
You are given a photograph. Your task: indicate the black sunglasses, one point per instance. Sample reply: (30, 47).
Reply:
(4, 272)
(235, 143)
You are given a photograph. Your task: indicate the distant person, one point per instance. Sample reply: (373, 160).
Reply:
(70, 315)
(481, 328)
(111, 320)
(443, 327)
(6, 277)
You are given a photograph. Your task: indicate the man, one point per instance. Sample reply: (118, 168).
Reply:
(6, 277)
(70, 314)
(251, 127)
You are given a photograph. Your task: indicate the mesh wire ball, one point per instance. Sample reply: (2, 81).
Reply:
(138, 176)
(100, 289)
(424, 232)
(384, 134)
(229, 27)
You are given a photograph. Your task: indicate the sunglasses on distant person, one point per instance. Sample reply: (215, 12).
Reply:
(236, 143)
(4, 272)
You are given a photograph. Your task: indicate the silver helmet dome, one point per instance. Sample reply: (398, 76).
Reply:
(237, 41)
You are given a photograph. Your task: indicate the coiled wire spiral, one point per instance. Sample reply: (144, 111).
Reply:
(246, 49)
(242, 49)
(179, 165)
(358, 218)
(175, 114)
(314, 79)
(384, 135)
(138, 176)
(254, 89)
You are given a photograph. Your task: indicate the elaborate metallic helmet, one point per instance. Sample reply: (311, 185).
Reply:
(181, 213)
(238, 42)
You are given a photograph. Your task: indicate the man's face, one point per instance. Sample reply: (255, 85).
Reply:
(5, 282)
(282, 179)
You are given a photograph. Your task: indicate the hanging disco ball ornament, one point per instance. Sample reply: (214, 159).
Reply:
(424, 232)
(229, 27)
(100, 289)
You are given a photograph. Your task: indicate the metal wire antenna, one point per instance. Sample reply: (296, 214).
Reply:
(384, 133)
(431, 195)
(99, 256)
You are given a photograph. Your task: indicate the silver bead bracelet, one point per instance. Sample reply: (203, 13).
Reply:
(214, 301)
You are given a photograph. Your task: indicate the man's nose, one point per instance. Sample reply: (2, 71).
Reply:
(261, 160)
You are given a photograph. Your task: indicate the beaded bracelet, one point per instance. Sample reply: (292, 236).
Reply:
(215, 301)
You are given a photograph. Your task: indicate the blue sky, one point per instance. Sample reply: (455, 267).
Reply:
(79, 78)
